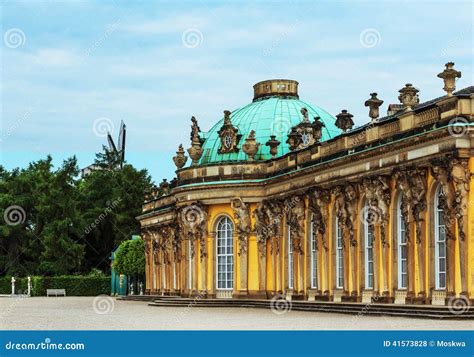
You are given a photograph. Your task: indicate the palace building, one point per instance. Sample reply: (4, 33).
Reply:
(281, 198)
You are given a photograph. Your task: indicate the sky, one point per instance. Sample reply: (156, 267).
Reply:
(71, 71)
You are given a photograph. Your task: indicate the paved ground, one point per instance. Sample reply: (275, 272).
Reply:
(89, 313)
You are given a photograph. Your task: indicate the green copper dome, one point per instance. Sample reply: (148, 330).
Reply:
(273, 114)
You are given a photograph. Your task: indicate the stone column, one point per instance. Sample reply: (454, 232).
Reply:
(376, 248)
(410, 264)
(243, 256)
(385, 268)
(325, 264)
(421, 261)
(464, 261)
(194, 261)
(277, 265)
(203, 258)
(262, 266)
(346, 252)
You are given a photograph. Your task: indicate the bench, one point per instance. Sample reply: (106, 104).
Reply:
(55, 292)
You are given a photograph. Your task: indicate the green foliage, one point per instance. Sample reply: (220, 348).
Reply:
(47, 239)
(75, 285)
(71, 224)
(130, 258)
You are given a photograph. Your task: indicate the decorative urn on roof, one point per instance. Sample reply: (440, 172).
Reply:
(273, 143)
(251, 146)
(318, 126)
(180, 158)
(344, 121)
(449, 76)
(373, 103)
(408, 96)
(195, 151)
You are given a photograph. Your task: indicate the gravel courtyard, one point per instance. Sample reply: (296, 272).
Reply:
(104, 313)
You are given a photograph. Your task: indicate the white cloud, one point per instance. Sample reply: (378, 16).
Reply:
(55, 57)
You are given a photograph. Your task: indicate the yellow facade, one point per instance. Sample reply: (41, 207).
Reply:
(394, 217)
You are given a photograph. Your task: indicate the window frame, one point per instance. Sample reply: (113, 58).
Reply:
(222, 259)
(438, 228)
(339, 256)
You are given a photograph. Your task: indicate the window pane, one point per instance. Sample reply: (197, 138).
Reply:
(224, 254)
(442, 280)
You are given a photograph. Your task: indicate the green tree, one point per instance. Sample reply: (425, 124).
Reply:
(130, 258)
(110, 201)
(42, 236)
(67, 224)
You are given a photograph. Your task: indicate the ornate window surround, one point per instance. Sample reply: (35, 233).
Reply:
(400, 245)
(314, 255)
(219, 220)
(438, 240)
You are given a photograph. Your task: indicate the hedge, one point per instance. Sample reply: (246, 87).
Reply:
(75, 285)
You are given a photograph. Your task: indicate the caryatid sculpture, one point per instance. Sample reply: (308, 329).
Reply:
(243, 225)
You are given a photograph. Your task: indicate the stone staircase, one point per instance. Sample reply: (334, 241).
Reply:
(419, 311)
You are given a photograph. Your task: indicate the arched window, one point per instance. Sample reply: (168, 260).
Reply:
(368, 249)
(339, 257)
(401, 247)
(225, 254)
(314, 256)
(440, 243)
(290, 260)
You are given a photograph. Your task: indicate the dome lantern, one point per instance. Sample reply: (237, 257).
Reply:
(287, 88)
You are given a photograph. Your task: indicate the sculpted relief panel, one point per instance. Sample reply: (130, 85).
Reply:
(193, 225)
(242, 220)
